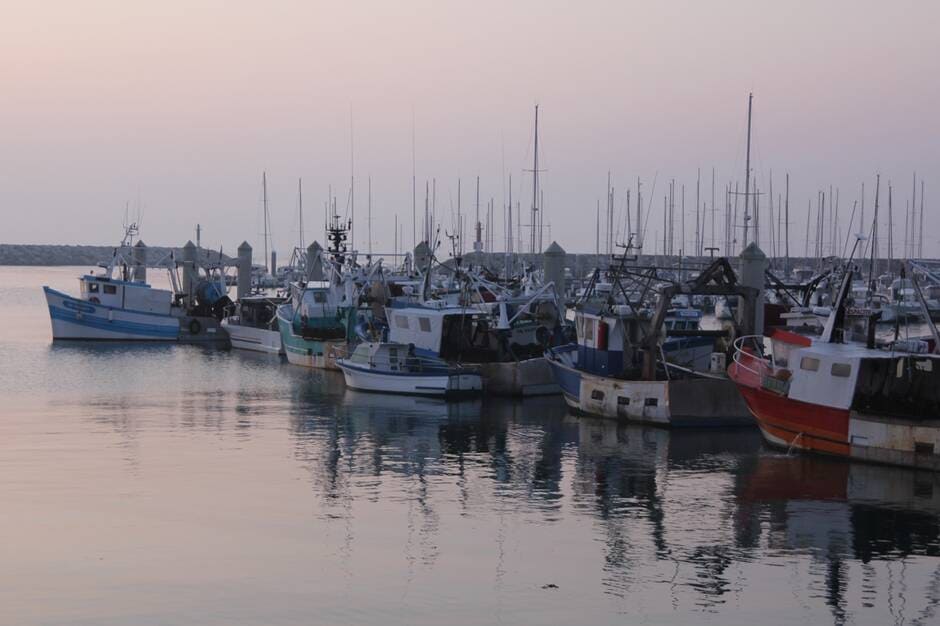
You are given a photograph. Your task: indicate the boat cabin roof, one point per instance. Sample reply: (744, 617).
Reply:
(112, 281)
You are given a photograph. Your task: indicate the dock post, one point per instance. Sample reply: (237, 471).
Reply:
(314, 267)
(140, 261)
(244, 270)
(189, 271)
(751, 312)
(555, 268)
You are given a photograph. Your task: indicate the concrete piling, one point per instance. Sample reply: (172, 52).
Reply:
(243, 287)
(189, 271)
(140, 262)
(555, 267)
(753, 265)
(314, 267)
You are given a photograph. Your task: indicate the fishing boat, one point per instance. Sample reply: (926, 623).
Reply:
(319, 316)
(657, 367)
(314, 325)
(395, 368)
(253, 325)
(500, 339)
(843, 394)
(119, 305)
(600, 374)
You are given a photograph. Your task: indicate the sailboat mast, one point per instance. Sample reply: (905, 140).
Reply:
(352, 185)
(639, 222)
(300, 211)
(698, 233)
(264, 202)
(890, 228)
(535, 185)
(786, 225)
(747, 170)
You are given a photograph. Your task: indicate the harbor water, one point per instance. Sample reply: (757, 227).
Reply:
(172, 484)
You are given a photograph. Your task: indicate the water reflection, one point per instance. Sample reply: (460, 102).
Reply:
(416, 503)
(680, 508)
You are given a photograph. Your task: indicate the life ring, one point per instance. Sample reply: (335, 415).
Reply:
(194, 327)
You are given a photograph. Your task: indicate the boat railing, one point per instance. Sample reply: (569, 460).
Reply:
(748, 350)
(759, 366)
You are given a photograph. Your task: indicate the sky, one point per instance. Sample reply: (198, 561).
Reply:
(176, 108)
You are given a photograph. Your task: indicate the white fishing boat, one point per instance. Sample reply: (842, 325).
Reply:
(113, 309)
(394, 368)
(119, 305)
(254, 325)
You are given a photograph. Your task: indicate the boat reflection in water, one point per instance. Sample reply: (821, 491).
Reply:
(704, 519)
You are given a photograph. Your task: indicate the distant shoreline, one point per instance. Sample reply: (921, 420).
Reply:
(59, 255)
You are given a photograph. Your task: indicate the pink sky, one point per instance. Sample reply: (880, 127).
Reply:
(183, 104)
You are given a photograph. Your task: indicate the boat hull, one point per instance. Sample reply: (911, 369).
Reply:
(443, 385)
(313, 353)
(793, 425)
(76, 319)
(254, 339)
(567, 377)
(678, 403)
(530, 377)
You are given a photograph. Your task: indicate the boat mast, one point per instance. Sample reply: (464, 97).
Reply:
(264, 201)
(890, 229)
(787, 225)
(352, 185)
(698, 234)
(534, 248)
(300, 210)
(874, 237)
(747, 169)
(921, 218)
(639, 222)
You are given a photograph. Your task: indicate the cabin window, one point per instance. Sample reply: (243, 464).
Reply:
(401, 321)
(425, 324)
(597, 394)
(651, 402)
(809, 363)
(110, 289)
(843, 370)
(623, 401)
(92, 287)
(319, 297)
(923, 448)
(361, 355)
(589, 330)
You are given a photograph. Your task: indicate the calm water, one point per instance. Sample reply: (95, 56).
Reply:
(182, 485)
